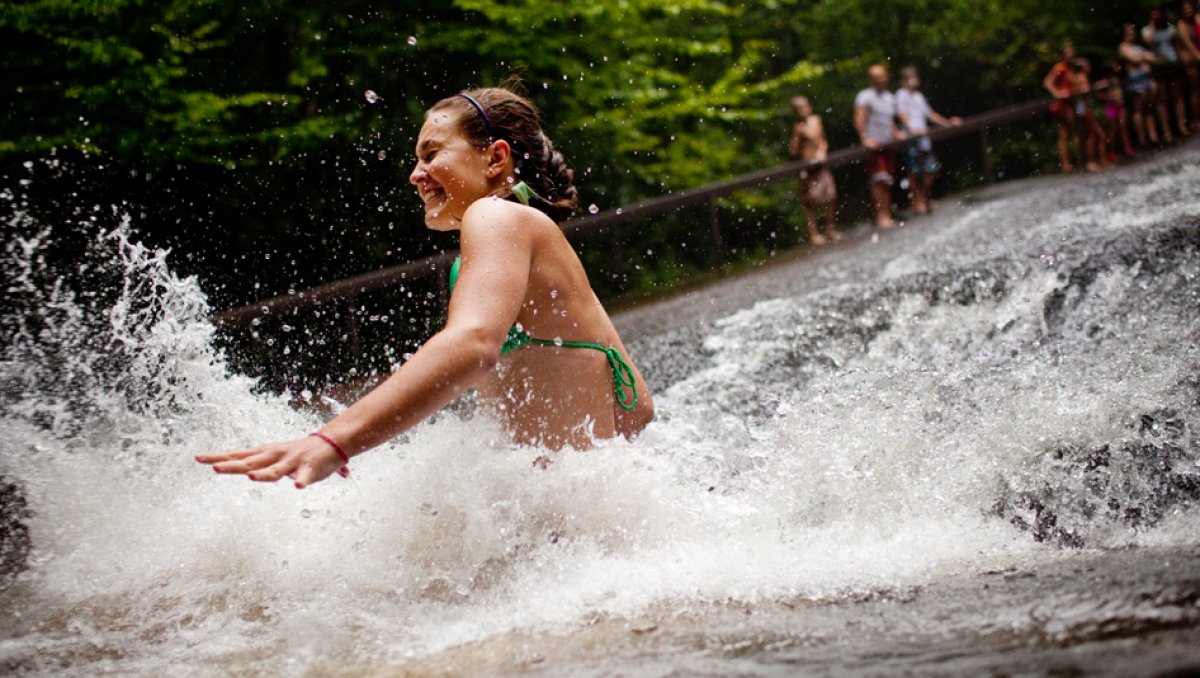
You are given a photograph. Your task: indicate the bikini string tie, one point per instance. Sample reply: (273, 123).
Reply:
(622, 379)
(624, 388)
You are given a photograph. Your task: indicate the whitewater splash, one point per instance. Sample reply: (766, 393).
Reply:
(1020, 379)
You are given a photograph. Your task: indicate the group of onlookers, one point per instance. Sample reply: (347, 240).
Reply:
(1150, 92)
(880, 118)
(1147, 95)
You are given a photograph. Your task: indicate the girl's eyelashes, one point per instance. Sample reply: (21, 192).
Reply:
(428, 156)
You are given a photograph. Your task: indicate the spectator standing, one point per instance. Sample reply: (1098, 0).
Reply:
(1060, 85)
(875, 122)
(915, 115)
(1159, 36)
(817, 189)
(1188, 36)
(1092, 141)
(1115, 113)
(1139, 85)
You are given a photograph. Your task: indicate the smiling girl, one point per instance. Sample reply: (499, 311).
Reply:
(524, 326)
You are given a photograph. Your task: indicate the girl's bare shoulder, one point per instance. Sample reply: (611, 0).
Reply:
(494, 214)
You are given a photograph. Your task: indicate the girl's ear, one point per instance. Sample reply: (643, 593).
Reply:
(499, 158)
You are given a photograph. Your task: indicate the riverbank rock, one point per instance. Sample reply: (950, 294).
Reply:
(14, 533)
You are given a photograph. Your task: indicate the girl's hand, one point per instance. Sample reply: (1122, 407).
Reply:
(305, 460)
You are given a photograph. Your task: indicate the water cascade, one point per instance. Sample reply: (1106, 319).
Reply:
(1012, 379)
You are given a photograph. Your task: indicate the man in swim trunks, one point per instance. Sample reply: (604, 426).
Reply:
(915, 114)
(875, 121)
(817, 189)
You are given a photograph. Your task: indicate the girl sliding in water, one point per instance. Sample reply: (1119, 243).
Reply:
(524, 327)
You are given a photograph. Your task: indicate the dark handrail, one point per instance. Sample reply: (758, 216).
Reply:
(415, 270)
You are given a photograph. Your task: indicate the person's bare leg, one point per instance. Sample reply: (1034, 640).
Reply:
(1194, 88)
(881, 195)
(814, 237)
(1139, 123)
(929, 201)
(1064, 148)
(1119, 133)
(1164, 119)
(916, 184)
(1097, 141)
(1180, 110)
(1193, 79)
(831, 223)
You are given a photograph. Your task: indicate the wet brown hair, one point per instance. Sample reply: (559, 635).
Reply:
(509, 116)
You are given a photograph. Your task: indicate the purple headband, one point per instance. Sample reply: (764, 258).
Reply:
(486, 121)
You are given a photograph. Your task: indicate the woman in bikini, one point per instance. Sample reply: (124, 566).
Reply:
(524, 326)
(1058, 83)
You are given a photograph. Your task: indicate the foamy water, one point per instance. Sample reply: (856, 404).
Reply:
(1016, 381)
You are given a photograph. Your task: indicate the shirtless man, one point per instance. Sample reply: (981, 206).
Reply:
(817, 189)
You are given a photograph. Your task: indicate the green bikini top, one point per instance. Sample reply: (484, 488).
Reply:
(518, 337)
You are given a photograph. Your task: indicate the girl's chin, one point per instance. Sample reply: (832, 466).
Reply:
(440, 221)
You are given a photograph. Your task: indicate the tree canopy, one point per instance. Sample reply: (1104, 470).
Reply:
(243, 133)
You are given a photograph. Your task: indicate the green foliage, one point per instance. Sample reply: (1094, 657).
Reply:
(252, 122)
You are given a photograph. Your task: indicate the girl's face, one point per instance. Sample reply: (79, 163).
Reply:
(451, 173)
(1188, 11)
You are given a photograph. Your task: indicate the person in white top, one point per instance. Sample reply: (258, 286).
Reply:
(915, 115)
(875, 121)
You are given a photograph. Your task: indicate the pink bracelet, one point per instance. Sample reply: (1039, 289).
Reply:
(344, 471)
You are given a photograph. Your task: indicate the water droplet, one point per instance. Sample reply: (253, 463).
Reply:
(412, 40)
(553, 294)
(592, 209)
(383, 155)
(371, 96)
(558, 341)
(306, 513)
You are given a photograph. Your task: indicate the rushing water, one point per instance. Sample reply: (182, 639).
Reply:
(995, 387)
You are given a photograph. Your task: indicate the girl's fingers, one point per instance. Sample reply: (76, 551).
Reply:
(217, 457)
(304, 476)
(273, 472)
(269, 463)
(257, 461)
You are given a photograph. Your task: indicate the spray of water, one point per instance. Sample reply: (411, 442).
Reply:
(1011, 400)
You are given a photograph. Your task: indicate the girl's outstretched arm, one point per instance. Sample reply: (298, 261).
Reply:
(496, 257)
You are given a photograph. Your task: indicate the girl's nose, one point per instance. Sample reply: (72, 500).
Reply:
(418, 174)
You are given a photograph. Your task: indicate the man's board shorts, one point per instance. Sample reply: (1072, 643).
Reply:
(919, 159)
(817, 186)
(881, 166)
